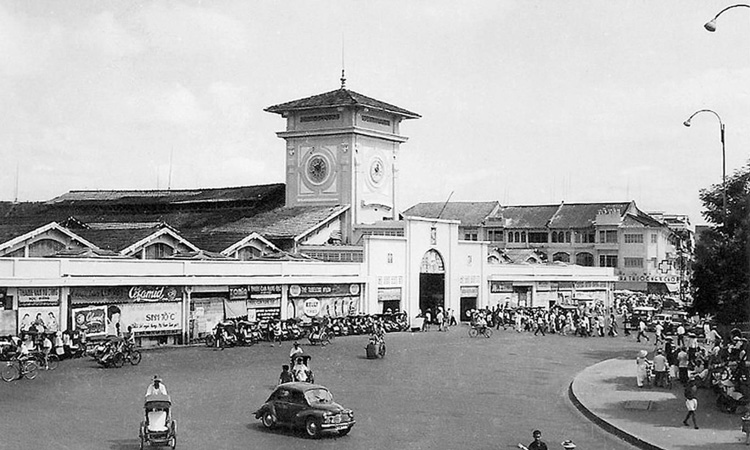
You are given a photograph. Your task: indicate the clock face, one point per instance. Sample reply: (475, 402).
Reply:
(377, 171)
(317, 169)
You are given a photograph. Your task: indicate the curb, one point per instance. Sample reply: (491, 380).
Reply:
(608, 427)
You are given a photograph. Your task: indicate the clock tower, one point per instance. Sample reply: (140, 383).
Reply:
(342, 149)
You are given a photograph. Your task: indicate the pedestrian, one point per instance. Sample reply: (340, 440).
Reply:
(680, 335)
(540, 325)
(746, 427)
(452, 318)
(286, 375)
(427, 320)
(660, 368)
(641, 368)
(536, 444)
(658, 336)
(612, 325)
(440, 318)
(692, 405)
(641, 331)
(683, 362)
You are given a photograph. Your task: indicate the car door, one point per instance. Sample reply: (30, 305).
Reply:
(283, 405)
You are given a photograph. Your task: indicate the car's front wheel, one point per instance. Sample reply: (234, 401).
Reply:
(312, 427)
(269, 420)
(345, 431)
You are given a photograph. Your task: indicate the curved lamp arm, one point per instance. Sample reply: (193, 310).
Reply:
(711, 25)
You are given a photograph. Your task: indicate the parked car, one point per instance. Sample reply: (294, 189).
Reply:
(305, 406)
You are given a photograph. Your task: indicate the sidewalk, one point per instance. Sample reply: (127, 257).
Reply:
(651, 418)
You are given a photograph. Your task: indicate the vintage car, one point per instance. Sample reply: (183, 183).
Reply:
(305, 406)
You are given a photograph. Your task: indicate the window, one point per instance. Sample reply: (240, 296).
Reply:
(585, 237)
(561, 256)
(158, 251)
(633, 238)
(470, 236)
(567, 237)
(45, 247)
(585, 259)
(607, 260)
(248, 253)
(523, 236)
(538, 237)
(495, 235)
(633, 262)
(608, 237)
(653, 238)
(390, 258)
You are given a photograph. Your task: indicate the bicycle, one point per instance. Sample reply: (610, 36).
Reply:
(51, 362)
(17, 368)
(484, 331)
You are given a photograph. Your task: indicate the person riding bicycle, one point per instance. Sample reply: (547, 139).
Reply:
(129, 339)
(296, 350)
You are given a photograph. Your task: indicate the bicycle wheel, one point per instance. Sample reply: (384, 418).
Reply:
(473, 332)
(9, 372)
(210, 341)
(52, 361)
(135, 357)
(30, 369)
(487, 332)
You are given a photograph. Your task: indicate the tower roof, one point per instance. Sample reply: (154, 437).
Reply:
(340, 97)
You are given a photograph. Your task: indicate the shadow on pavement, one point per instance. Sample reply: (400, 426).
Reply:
(124, 444)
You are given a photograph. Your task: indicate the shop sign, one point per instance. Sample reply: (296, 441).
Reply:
(150, 317)
(266, 314)
(565, 285)
(469, 291)
(265, 291)
(91, 320)
(543, 286)
(389, 294)
(311, 307)
(500, 286)
(123, 294)
(255, 303)
(237, 292)
(590, 284)
(324, 290)
(650, 278)
(38, 296)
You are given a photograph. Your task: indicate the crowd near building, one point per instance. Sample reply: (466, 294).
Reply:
(333, 240)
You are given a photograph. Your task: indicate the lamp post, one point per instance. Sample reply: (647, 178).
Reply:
(723, 156)
(711, 24)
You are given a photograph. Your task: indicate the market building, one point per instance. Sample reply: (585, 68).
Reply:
(332, 241)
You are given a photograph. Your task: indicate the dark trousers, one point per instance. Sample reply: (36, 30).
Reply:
(641, 333)
(538, 329)
(683, 371)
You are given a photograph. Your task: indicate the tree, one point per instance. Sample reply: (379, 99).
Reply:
(721, 272)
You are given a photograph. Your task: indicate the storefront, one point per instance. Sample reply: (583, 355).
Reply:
(469, 297)
(154, 312)
(8, 317)
(389, 298)
(319, 300)
(264, 303)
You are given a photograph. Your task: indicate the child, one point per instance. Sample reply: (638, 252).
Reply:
(692, 404)
(746, 427)
(286, 375)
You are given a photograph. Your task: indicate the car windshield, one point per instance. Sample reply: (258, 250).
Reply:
(318, 396)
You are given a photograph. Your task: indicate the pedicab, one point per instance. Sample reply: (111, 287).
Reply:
(375, 347)
(301, 370)
(158, 428)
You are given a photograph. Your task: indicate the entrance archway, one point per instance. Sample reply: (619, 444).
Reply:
(431, 282)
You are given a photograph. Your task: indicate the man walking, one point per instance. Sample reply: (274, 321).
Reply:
(641, 331)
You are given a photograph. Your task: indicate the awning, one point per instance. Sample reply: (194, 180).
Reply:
(635, 286)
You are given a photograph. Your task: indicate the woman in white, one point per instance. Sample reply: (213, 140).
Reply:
(641, 368)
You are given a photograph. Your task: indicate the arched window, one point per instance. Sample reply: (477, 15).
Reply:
(567, 236)
(554, 237)
(432, 262)
(158, 251)
(492, 259)
(45, 247)
(561, 256)
(523, 236)
(248, 253)
(585, 259)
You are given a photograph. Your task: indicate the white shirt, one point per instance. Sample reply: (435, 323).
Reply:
(154, 390)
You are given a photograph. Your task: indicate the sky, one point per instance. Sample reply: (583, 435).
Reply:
(522, 102)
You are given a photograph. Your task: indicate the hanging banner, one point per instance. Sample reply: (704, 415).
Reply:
(90, 320)
(151, 317)
(324, 290)
(38, 296)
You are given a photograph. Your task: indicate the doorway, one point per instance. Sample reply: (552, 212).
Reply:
(431, 282)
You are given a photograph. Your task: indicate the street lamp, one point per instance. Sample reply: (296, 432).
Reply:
(711, 25)
(723, 154)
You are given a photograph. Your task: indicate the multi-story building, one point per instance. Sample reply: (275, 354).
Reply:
(648, 252)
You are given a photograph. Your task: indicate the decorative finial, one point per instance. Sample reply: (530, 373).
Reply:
(343, 79)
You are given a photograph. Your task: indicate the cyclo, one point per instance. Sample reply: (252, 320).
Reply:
(301, 369)
(480, 327)
(375, 347)
(320, 334)
(158, 428)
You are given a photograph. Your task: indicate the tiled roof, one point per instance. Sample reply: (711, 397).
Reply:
(522, 255)
(281, 223)
(340, 97)
(523, 216)
(468, 213)
(116, 239)
(174, 197)
(583, 215)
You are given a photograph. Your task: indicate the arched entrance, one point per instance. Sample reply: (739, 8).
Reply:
(431, 282)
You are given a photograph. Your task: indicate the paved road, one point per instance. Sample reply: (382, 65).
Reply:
(432, 391)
